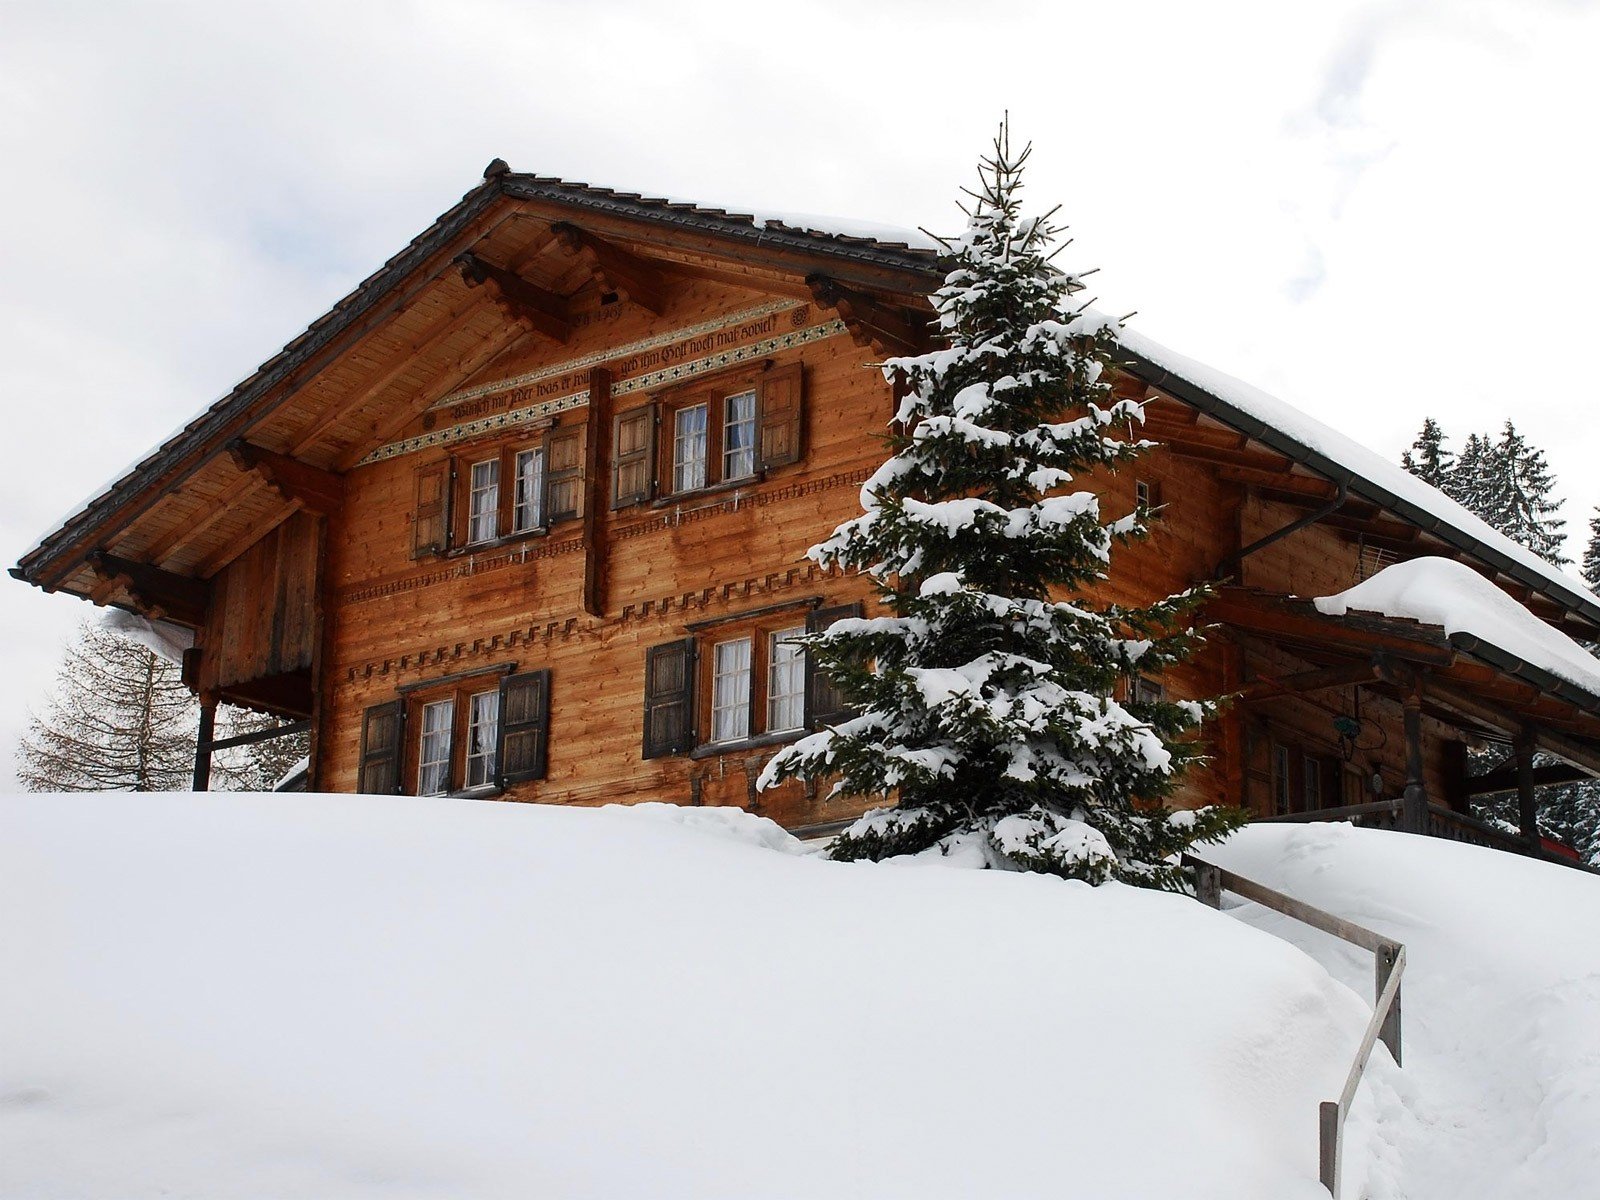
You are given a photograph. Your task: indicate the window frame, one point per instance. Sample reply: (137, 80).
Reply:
(680, 681)
(717, 394)
(491, 509)
(796, 660)
(455, 510)
(459, 692)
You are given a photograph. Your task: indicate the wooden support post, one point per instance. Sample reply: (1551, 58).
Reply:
(1208, 884)
(1527, 801)
(1382, 968)
(1414, 809)
(1328, 1146)
(202, 743)
(597, 482)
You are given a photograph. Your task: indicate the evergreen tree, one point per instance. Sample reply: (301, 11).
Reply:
(1515, 495)
(1428, 459)
(1591, 555)
(1467, 481)
(120, 719)
(986, 706)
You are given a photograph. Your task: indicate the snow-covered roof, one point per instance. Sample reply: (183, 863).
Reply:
(1476, 615)
(1304, 438)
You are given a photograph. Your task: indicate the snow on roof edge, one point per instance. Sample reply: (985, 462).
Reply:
(1359, 460)
(1451, 595)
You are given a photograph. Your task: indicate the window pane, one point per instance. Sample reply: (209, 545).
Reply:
(689, 448)
(483, 728)
(786, 682)
(484, 501)
(433, 757)
(739, 436)
(730, 691)
(526, 512)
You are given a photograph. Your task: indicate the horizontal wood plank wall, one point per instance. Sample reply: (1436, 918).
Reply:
(396, 621)
(263, 618)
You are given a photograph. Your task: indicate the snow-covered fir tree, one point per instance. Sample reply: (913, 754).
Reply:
(1467, 481)
(1591, 553)
(1517, 496)
(987, 706)
(1428, 459)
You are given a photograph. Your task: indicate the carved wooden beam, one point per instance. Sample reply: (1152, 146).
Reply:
(542, 310)
(613, 268)
(162, 593)
(886, 330)
(317, 490)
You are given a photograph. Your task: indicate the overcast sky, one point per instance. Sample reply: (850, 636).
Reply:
(1377, 211)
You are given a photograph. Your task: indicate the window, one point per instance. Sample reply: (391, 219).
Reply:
(710, 434)
(512, 491)
(1146, 691)
(689, 448)
(483, 502)
(433, 752)
(483, 732)
(742, 681)
(786, 682)
(1280, 779)
(739, 436)
(1311, 782)
(527, 510)
(730, 692)
(468, 734)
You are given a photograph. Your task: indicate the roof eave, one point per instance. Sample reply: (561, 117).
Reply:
(1158, 376)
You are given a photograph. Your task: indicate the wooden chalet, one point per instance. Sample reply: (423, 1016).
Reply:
(525, 514)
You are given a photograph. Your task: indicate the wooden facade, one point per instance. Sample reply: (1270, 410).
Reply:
(551, 473)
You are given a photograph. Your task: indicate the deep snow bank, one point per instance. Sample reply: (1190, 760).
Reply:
(289, 995)
(1500, 1095)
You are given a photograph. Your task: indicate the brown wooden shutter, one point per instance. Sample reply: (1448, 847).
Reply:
(431, 522)
(824, 705)
(563, 474)
(382, 736)
(669, 698)
(524, 726)
(633, 435)
(782, 416)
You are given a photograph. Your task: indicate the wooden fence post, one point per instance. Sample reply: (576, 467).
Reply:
(1382, 968)
(1328, 1146)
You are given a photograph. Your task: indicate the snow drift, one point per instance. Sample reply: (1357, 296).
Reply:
(1500, 1095)
(290, 995)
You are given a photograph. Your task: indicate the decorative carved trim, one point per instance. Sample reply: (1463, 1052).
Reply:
(550, 631)
(692, 369)
(670, 518)
(464, 568)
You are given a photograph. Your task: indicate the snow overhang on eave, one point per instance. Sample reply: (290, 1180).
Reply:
(1159, 376)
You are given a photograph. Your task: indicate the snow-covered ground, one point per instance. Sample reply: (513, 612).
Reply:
(296, 996)
(1500, 1096)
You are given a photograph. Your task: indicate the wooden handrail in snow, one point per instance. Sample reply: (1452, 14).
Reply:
(1389, 964)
